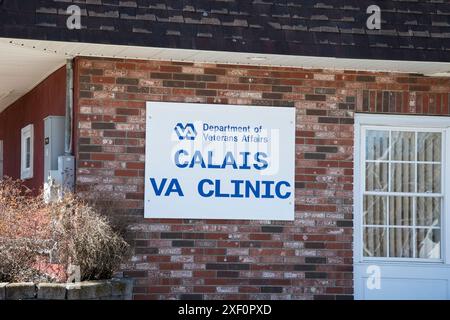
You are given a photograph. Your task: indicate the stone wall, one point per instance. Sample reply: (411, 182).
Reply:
(117, 289)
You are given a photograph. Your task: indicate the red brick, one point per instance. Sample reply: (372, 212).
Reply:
(103, 156)
(126, 173)
(97, 79)
(159, 289)
(260, 236)
(174, 69)
(126, 65)
(136, 165)
(127, 112)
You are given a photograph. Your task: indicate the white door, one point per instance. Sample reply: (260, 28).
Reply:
(401, 212)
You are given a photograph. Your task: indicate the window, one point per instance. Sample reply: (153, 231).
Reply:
(401, 196)
(27, 142)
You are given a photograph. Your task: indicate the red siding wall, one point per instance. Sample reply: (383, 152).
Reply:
(48, 98)
(310, 258)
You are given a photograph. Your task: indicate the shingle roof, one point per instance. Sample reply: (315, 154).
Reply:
(417, 30)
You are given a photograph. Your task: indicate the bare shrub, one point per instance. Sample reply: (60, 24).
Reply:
(24, 232)
(85, 238)
(38, 238)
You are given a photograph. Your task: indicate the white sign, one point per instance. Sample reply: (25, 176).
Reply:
(219, 162)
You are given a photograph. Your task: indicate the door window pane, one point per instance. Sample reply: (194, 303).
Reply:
(375, 209)
(402, 177)
(375, 244)
(428, 243)
(429, 178)
(400, 242)
(428, 211)
(377, 145)
(429, 146)
(377, 176)
(401, 211)
(403, 146)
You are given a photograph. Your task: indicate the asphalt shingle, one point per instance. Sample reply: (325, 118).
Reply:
(410, 29)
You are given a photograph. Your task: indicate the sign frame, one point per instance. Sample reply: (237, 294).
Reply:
(183, 119)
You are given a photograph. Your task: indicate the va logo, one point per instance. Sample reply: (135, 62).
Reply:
(186, 132)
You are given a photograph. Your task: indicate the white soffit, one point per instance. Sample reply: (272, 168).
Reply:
(21, 69)
(25, 63)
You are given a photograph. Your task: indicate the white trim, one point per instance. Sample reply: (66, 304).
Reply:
(410, 261)
(400, 121)
(26, 172)
(399, 227)
(357, 208)
(403, 194)
(73, 49)
(403, 161)
(445, 238)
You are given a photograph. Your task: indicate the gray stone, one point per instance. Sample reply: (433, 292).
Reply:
(122, 289)
(103, 289)
(89, 290)
(3, 290)
(20, 291)
(76, 291)
(115, 289)
(51, 291)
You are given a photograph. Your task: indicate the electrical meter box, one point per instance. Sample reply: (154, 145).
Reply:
(54, 128)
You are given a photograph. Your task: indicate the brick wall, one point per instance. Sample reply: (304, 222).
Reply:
(310, 258)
